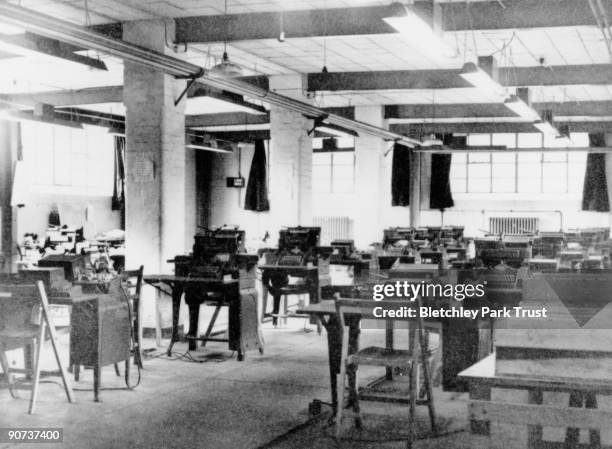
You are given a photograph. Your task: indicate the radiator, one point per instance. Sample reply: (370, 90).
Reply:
(334, 228)
(514, 225)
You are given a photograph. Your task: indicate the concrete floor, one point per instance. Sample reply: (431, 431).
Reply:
(258, 403)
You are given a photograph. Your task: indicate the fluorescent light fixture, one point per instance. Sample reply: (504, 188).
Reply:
(545, 127)
(336, 131)
(432, 141)
(481, 79)
(520, 108)
(418, 31)
(208, 148)
(199, 143)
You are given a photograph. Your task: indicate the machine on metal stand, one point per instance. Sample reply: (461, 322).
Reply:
(220, 273)
(299, 256)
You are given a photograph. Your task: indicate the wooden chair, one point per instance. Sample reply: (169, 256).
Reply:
(19, 304)
(388, 357)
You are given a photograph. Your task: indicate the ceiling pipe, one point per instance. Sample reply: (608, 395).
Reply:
(74, 34)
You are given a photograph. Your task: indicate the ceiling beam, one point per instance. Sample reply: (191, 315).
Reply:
(457, 16)
(225, 119)
(241, 136)
(419, 129)
(51, 47)
(449, 78)
(441, 111)
(267, 25)
(104, 94)
(517, 14)
(92, 95)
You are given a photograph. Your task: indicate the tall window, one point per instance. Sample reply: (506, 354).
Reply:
(333, 166)
(520, 171)
(78, 161)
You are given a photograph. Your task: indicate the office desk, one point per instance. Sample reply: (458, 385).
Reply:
(228, 294)
(325, 312)
(482, 410)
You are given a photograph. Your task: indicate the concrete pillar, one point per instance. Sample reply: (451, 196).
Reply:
(290, 174)
(8, 156)
(156, 193)
(160, 172)
(369, 178)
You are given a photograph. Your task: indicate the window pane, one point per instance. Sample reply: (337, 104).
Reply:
(343, 172)
(530, 157)
(479, 171)
(459, 158)
(554, 178)
(457, 170)
(529, 140)
(344, 158)
(458, 185)
(580, 140)
(321, 171)
(321, 158)
(479, 139)
(554, 156)
(503, 171)
(343, 185)
(317, 143)
(507, 139)
(321, 185)
(529, 177)
(479, 157)
(479, 185)
(554, 142)
(345, 142)
(575, 182)
(503, 185)
(504, 158)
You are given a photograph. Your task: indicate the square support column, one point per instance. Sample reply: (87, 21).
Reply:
(156, 193)
(290, 159)
(369, 178)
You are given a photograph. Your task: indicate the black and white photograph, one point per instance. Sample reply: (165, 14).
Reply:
(305, 224)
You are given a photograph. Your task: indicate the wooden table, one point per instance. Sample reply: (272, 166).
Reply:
(229, 294)
(325, 312)
(482, 410)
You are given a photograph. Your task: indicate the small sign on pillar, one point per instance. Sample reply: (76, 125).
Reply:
(236, 182)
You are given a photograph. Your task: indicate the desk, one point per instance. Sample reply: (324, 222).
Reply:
(228, 294)
(326, 313)
(482, 410)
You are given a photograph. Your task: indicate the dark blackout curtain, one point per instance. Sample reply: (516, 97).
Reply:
(256, 198)
(400, 176)
(440, 191)
(118, 200)
(595, 192)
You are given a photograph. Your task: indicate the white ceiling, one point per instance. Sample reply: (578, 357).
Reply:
(102, 11)
(512, 48)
